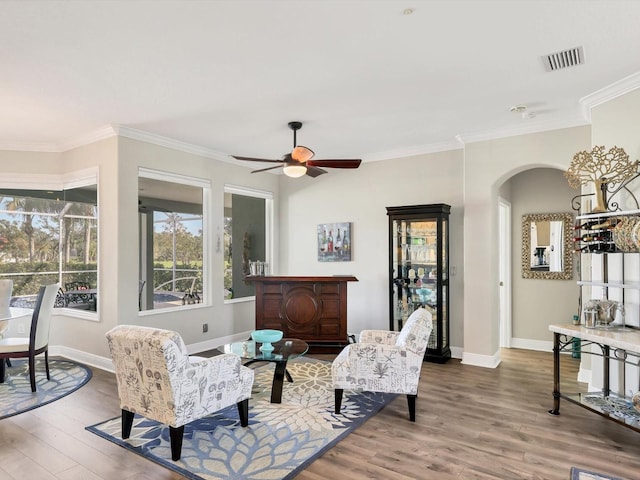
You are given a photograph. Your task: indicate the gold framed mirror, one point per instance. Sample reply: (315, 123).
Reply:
(547, 246)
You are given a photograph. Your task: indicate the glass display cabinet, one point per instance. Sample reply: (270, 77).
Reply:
(419, 270)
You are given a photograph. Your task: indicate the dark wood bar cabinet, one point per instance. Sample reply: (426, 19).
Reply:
(311, 308)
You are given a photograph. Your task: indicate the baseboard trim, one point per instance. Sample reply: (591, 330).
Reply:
(105, 363)
(476, 360)
(528, 344)
(456, 352)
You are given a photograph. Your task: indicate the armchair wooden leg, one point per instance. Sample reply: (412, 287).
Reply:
(175, 434)
(411, 400)
(127, 423)
(338, 396)
(243, 412)
(8, 362)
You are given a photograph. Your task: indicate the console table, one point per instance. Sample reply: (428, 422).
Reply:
(614, 345)
(311, 308)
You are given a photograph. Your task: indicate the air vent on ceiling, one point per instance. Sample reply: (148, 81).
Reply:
(564, 59)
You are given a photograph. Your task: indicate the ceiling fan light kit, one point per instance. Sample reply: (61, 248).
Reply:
(298, 163)
(294, 171)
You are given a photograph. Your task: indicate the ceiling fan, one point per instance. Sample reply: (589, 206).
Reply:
(299, 163)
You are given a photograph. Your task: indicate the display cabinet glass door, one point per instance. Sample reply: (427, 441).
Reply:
(415, 268)
(419, 270)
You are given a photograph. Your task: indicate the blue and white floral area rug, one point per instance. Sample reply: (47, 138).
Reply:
(580, 474)
(16, 395)
(280, 440)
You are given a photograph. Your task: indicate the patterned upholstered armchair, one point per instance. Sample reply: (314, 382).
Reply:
(385, 361)
(158, 380)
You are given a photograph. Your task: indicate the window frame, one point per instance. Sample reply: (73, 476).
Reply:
(268, 228)
(205, 185)
(66, 181)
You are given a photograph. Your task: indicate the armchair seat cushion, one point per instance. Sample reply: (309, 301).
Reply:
(14, 344)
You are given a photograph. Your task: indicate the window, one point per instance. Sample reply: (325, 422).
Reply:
(172, 211)
(49, 236)
(248, 227)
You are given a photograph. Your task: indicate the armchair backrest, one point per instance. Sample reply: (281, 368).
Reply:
(415, 334)
(41, 318)
(149, 363)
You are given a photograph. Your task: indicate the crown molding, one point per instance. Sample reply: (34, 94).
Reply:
(413, 151)
(30, 147)
(167, 142)
(616, 89)
(101, 133)
(94, 136)
(528, 129)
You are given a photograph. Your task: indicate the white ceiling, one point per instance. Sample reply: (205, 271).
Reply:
(367, 80)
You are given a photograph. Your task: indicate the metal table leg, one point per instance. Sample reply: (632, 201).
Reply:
(556, 375)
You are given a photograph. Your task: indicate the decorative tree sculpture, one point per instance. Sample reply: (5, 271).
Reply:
(601, 168)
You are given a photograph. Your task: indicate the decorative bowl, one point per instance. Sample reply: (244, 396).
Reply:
(266, 338)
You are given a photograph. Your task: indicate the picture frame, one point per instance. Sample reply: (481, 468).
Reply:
(334, 242)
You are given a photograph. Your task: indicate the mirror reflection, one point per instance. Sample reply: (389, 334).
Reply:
(546, 246)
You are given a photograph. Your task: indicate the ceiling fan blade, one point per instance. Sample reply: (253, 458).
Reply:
(335, 163)
(251, 159)
(265, 169)
(301, 153)
(314, 171)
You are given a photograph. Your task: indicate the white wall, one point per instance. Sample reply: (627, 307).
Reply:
(360, 196)
(118, 160)
(468, 180)
(488, 165)
(223, 319)
(537, 303)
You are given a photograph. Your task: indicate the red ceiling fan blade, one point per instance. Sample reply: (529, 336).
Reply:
(251, 159)
(265, 169)
(314, 171)
(335, 163)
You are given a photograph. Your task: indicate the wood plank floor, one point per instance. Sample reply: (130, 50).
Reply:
(472, 424)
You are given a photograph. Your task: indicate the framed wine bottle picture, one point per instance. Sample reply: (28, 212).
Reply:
(334, 242)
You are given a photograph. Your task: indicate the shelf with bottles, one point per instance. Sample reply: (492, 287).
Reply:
(608, 232)
(405, 306)
(423, 274)
(418, 253)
